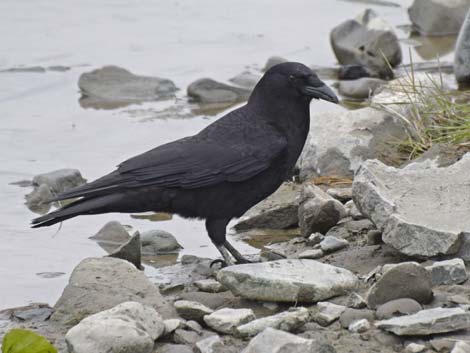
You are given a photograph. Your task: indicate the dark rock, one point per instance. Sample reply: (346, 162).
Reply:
(130, 251)
(353, 72)
(206, 90)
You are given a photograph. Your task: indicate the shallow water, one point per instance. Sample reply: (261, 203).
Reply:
(44, 128)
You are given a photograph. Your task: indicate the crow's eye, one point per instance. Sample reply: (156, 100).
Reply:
(292, 77)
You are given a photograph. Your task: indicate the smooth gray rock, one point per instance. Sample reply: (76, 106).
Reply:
(330, 244)
(327, 313)
(350, 315)
(311, 254)
(129, 327)
(209, 285)
(115, 84)
(226, 320)
(59, 180)
(438, 17)
(276, 341)
(462, 53)
(461, 347)
(278, 211)
(208, 345)
(414, 348)
(448, 272)
(273, 61)
(318, 211)
(339, 141)
(427, 322)
(359, 326)
(246, 79)
(287, 280)
(285, 321)
(361, 88)
(157, 241)
(206, 90)
(171, 325)
(130, 251)
(398, 307)
(190, 310)
(365, 41)
(112, 232)
(405, 280)
(394, 198)
(98, 284)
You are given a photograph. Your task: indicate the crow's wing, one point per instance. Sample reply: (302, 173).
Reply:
(188, 163)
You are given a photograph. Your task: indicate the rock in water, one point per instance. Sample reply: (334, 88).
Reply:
(98, 284)
(427, 322)
(112, 84)
(158, 242)
(438, 17)
(206, 90)
(130, 251)
(365, 41)
(128, 327)
(112, 232)
(361, 88)
(273, 61)
(287, 281)
(421, 209)
(405, 280)
(59, 180)
(462, 54)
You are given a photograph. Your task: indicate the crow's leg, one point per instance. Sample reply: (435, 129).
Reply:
(239, 257)
(216, 231)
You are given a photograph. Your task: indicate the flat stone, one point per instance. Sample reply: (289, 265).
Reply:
(209, 285)
(130, 251)
(278, 211)
(276, 341)
(158, 241)
(128, 327)
(226, 320)
(287, 281)
(318, 211)
(330, 244)
(359, 326)
(448, 272)
(190, 310)
(427, 322)
(285, 321)
(327, 313)
(208, 345)
(398, 307)
(207, 90)
(98, 284)
(311, 254)
(181, 336)
(404, 280)
(60, 180)
(393, 199)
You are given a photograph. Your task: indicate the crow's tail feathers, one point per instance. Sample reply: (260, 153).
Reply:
(94, 205)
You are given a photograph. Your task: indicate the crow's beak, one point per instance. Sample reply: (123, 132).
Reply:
(321, 92)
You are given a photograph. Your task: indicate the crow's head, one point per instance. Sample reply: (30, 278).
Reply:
(295, 80)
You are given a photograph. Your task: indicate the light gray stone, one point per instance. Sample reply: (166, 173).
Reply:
(287, 280)
(352, 211)
(130, 251)
(59, 180)
(414, 348)
(209, 285)
(37, 199)
(405, 280)
(427, 322)
(461, 347)
(174, 348)
(327, 313)
(98, 284)
(273, 61)
(366, 40)
(438, 17)
(285, 321)
(311, 254)
(398, 307)
(190, 310)
(246, 79)
(172, 325)
(318, 211)
(208, 345)
(206, 90)
(158, 241)
(359, 326)
(276, 341)
(113, 84)
(226, 320)
(112, 232)
(278, 211)
(330, 244)
(361, 88)
(129, 327)
(394, 199)
(462, 50)
(350, 315)
(340, 194)
(315, 239)
(448, 272)
(355, 301)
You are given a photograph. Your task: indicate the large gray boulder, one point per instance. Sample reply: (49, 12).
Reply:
(129, 327)
(288, 281)
(207, 90)
(278, 211)
(340, 141)
(98, 284)
(422, 210)
(462, 54)
(438, 17)
(367, 40)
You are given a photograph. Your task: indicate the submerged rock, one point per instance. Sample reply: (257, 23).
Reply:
(287, 281)
(278, 211)
(97, 284)
(438, 17)
(427, 322)
(158, 242)
(226, 320)
(462, 53)
(114, 85)
(365, 41)
(276, 341)
(59, 180)
(421, 209)
(206, 90)
(127, 327)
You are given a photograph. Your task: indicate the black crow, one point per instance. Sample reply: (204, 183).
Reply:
(221, 172)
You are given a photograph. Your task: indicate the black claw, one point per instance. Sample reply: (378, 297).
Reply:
(218, 261)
